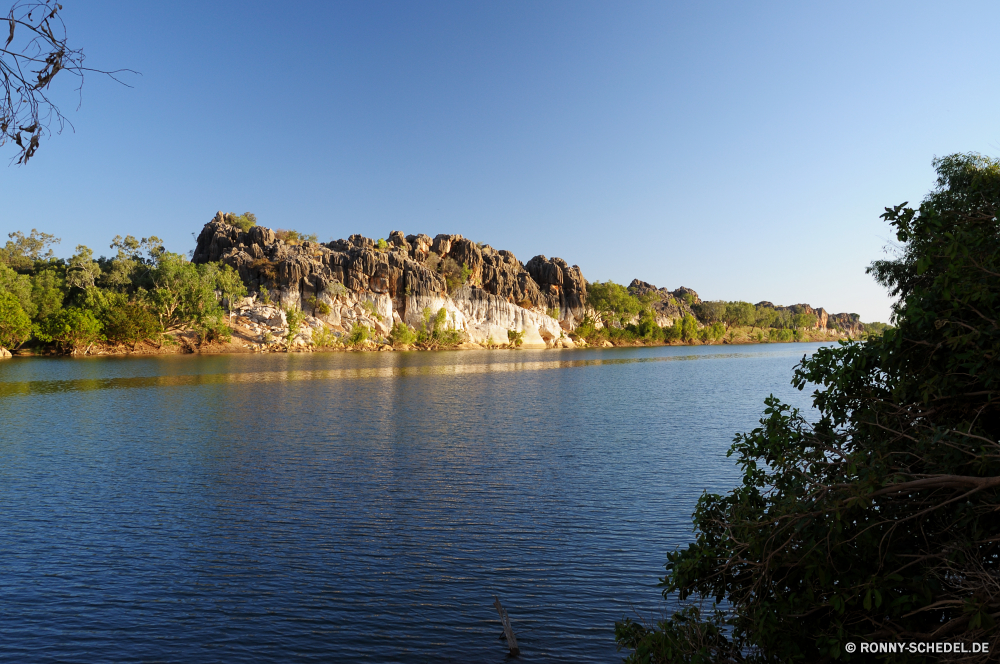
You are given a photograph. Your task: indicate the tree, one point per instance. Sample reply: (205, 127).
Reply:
(47, 293)
(82, 271)
(710, 312)
(128, 322)
(71, 329)
(876, 519)
(230, 284)
(804, 320)
(17, 284)
(21, 251)
(763, 316)
(15, 326)
(35, 51)
(613, 302)
(738, 313)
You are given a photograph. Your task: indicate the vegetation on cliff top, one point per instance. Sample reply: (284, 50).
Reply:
(877, 518)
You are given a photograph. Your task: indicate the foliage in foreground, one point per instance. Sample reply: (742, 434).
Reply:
(879, 521)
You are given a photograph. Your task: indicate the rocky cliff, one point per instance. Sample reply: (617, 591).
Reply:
(484, 292)
(542, 298)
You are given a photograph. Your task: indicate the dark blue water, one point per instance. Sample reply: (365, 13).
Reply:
(357, 507)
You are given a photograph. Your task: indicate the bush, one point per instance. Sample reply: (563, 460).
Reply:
(15, 326)
(358, 336)
(324, 338)
(294, 318)
(244, 221)
(127, 322)
(515, 338)
(402, 335)
(318, 306)
(71, 329)
(454, 276)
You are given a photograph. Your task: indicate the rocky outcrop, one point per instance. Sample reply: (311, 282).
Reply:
(668, 305)
(849, 324)
(361, 281)
(4, 353)
(401, 278)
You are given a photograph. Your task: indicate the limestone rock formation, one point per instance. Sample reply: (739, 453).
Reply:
(667, 305)
(398, 281)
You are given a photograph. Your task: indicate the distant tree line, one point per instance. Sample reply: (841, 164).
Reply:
(628, 318)
(136, 295)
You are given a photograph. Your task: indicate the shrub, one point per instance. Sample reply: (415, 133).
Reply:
(294, 318)
(324, 338)
(70, 329)
(318, 306)
(359, 335)
(15, 326)
(244, 221)
(294, 237)
(382, 245)
(127, 322)
(402, 335)
(454, 276)
(335, 289)
(515, 338)
(553, 312)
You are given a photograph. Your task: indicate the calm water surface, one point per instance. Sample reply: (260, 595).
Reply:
(357, 507)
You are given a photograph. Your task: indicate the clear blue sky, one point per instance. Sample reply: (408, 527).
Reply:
(741, 149)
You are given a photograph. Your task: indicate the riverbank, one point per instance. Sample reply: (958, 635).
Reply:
(245, 339)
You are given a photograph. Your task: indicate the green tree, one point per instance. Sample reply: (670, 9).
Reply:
(294, 318)
(21, 251)
(71, 329)
(18, 285)
(710, 312)
(15, 326)
(764, 316)
(183, 294)
(47, 292)
(82, 271)
(125, 322)
(876, 518)
(613, 302)
(804, 320)
(739, 314)
(230, 284)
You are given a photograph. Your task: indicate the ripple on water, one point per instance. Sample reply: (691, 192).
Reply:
(357, 506)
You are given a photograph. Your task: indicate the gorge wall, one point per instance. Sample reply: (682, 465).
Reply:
(364, 283)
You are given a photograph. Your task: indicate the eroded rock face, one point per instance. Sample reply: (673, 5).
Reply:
(501, 293)
(668, 305)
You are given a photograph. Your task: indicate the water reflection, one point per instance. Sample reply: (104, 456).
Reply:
(30, 387)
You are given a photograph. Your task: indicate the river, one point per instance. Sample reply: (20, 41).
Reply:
(358, 506)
